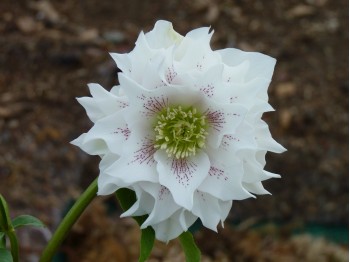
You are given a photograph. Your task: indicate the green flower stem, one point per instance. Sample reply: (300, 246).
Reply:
(14, 243)
(72, 216)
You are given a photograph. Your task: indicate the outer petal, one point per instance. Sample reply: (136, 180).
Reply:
(194, 53)
(242, 138)
(164, 204)
(137, 162)
(246, 93)
(265, 140)
(123, 61)
(207, 208)
(235, 74)
(182, 176)
(256, 188)
(260, 65)
(225, 210)
(134, 63)
(102, 102)
(174, 226)
(253, 170)
(211, 85)
(94, 147)
(253, 164)
(144, 103)
(224, 180)
(222, 119)
(143, 205)
(112, 130)
(163, 35)
(106, 183)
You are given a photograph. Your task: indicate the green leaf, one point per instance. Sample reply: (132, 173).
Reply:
(192, 252)
(5, 255)
(126, 197)
(26, 220)
(2, 240)
(5, 221)
(147, 242)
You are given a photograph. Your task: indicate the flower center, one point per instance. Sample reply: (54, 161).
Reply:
(180, 132)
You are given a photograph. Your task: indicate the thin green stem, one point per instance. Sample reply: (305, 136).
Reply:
(14, 244)
(72, 216)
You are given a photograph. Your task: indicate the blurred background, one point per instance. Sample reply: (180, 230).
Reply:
(50, 50)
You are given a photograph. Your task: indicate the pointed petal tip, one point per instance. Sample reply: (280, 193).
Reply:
(93, 85)
(284, 149)
(78, 140)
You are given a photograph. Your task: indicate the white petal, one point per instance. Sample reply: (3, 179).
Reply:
(253, 164)
(123, 61)
(235, 74)
(246, 93)
(139, 58)
(265, 140)
(112, 130)
(242, 138)
(144, 103)
(260, 65)
(200, 34)
(271, 175)
(102, 103)
(138, 164)
(222, 119)
(160, 70)
(253, 170)
(143, 205)
(224, 181)
(93, 111)
(107, 184)
(256, 188)
(210, 84)
(197, 55)
(174, 226)
(108, 102)
(92, 147)
(182, 176)
(225, 210)
(163, 35)
(164, 205)
(207, 208)
(187, 219)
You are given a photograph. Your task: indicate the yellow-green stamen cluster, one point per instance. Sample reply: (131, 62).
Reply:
(180, 132)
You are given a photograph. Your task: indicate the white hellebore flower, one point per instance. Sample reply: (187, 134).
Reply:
(183, 129)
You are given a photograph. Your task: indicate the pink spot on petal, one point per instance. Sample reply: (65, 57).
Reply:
(124, 131)
(170, 74)
(201, 195)
(216, 119)
(233, 99)
(145, 154)
(122, 104)
(152, 105)
(163, 192)
(183, 170)
(227, 140)
(218, 173)
(208, 90)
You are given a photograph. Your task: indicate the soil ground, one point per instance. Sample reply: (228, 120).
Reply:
(50, 50)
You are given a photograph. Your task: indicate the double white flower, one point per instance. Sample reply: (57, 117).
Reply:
(183, 129)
